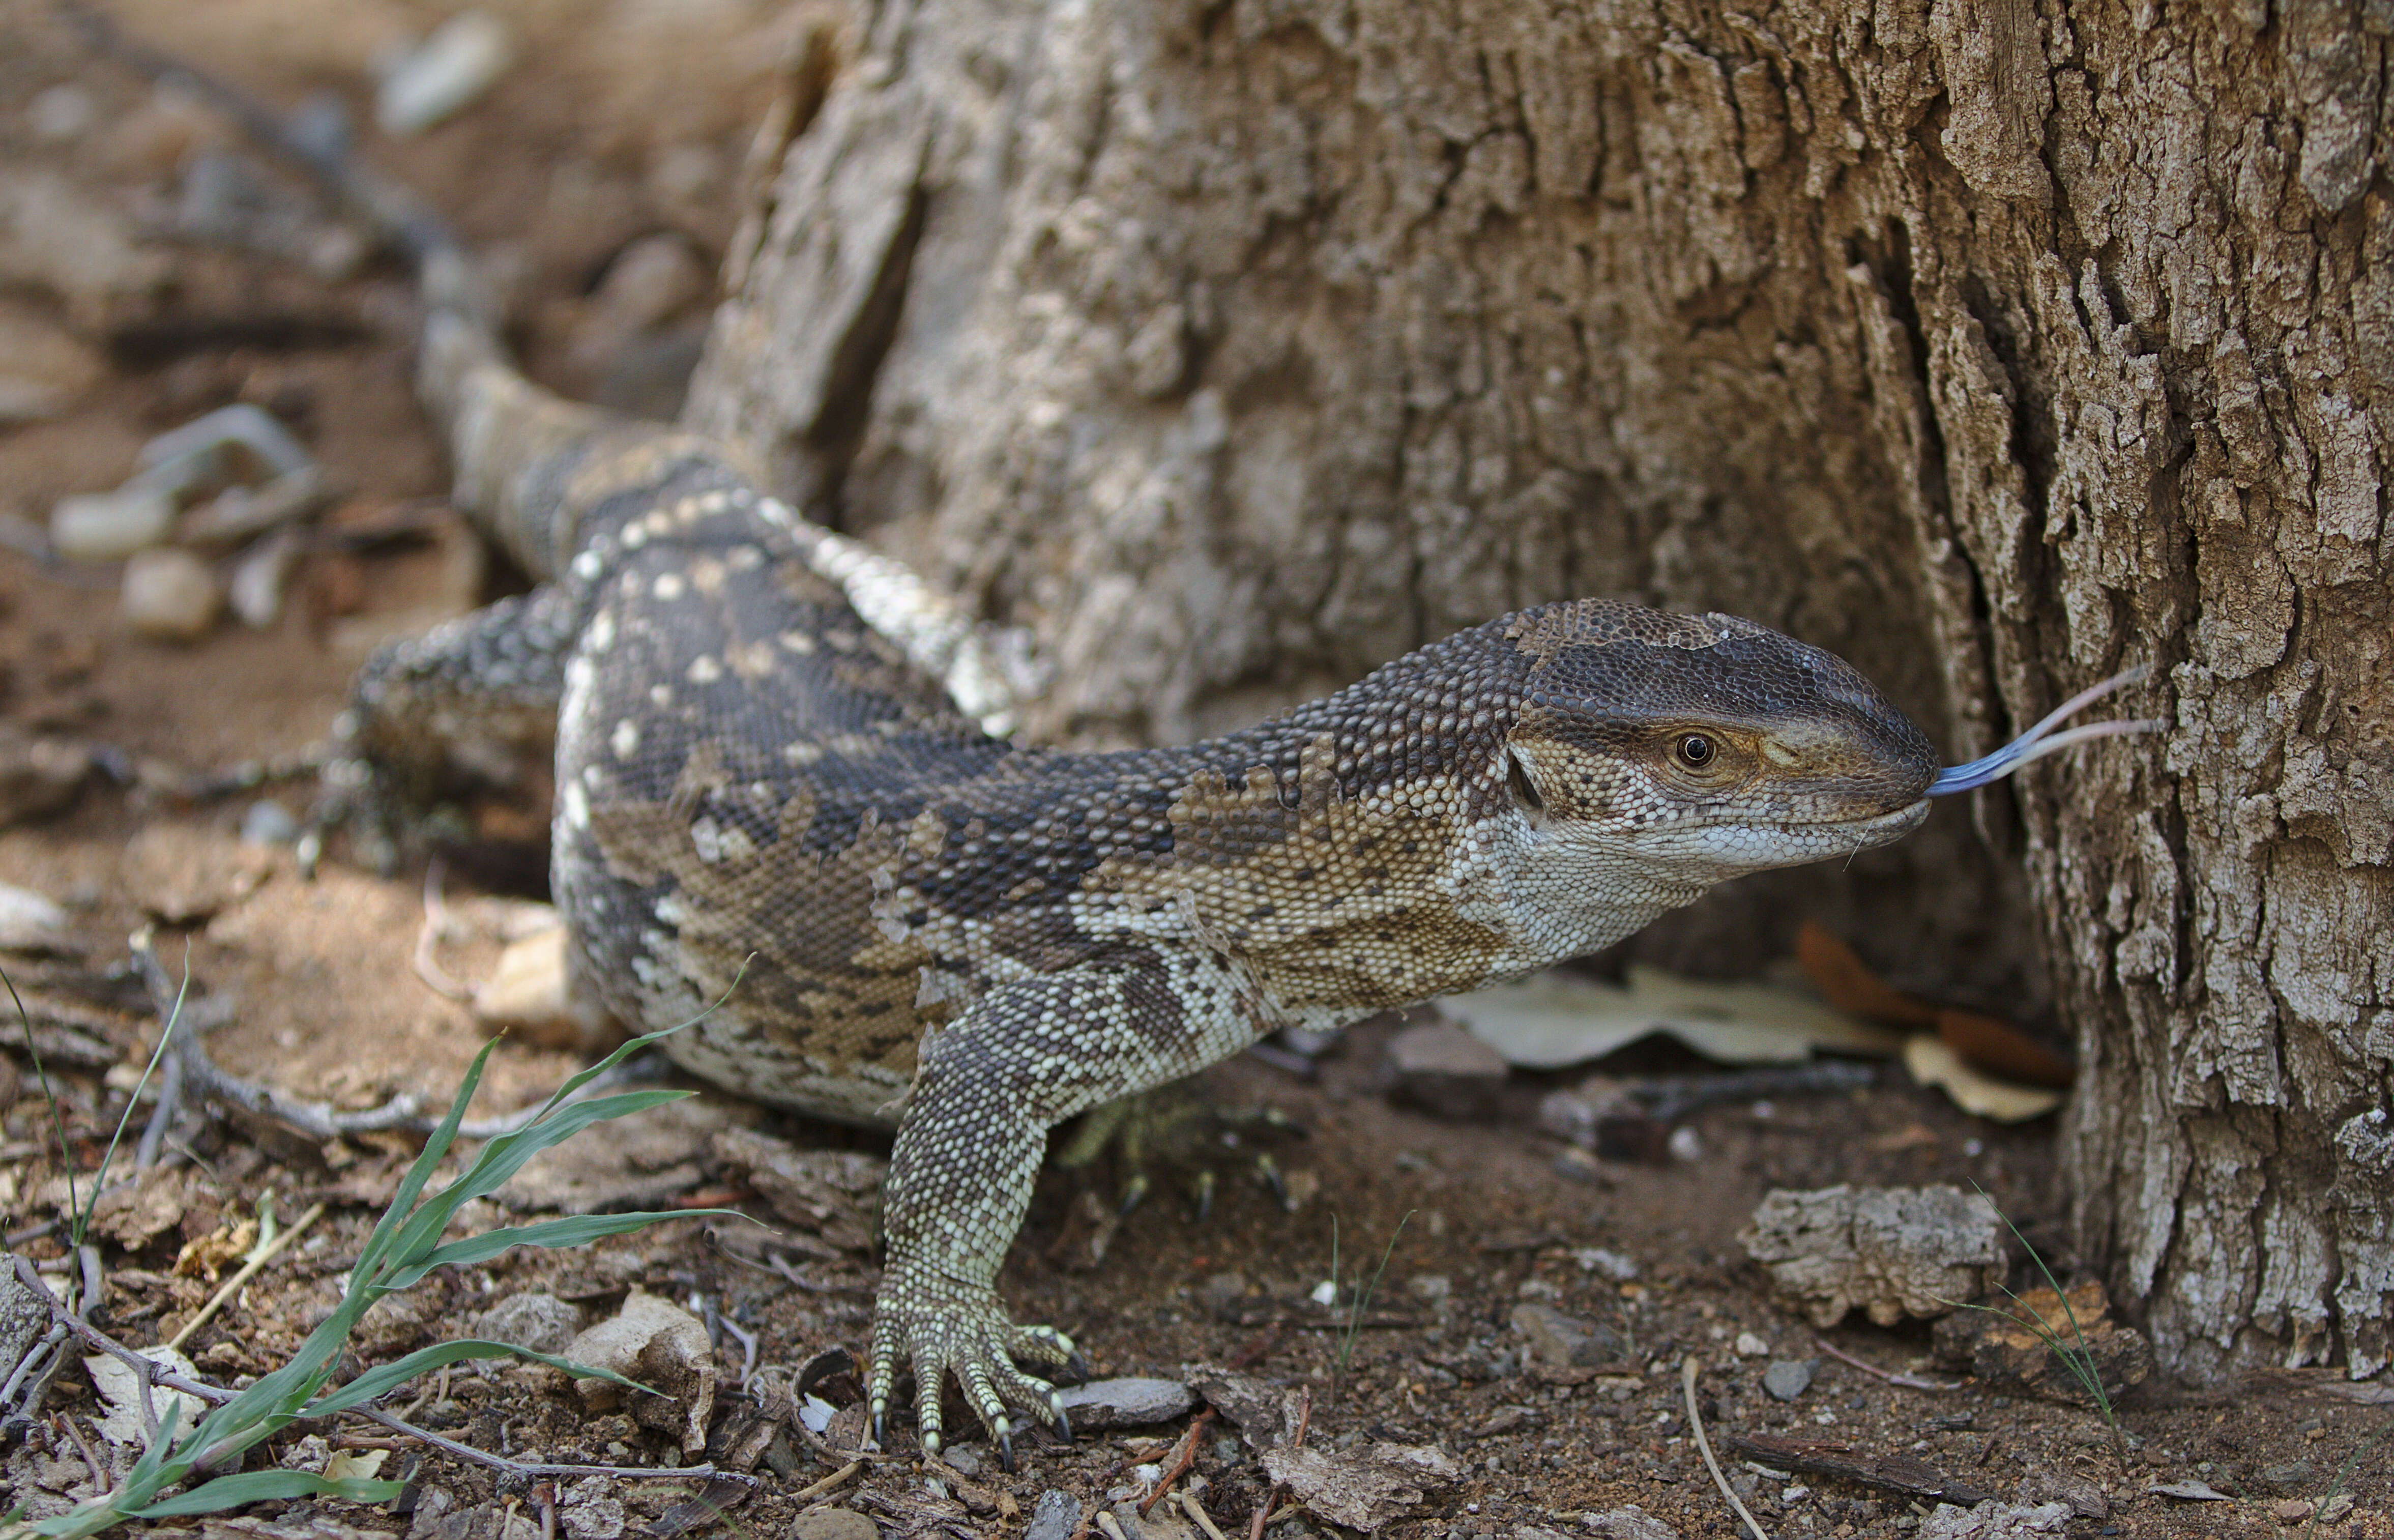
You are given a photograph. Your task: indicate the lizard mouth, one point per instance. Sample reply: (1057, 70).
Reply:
(1889, 826)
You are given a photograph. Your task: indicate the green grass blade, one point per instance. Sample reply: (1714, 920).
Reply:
(504, 1157)
(391, 1376)
(411, 1185)
(257, 1486)
(415, 1241)
(577, 1230)
(165, 1034)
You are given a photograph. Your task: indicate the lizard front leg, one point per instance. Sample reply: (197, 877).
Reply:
(1027, 1055)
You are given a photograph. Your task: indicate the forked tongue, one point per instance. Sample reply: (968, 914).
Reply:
(2040, 740)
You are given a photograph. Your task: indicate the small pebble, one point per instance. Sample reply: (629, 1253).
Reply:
(170, 595)
(836, 1523)
(464, 55)
(1613, 1264)
(1751, 1346)
(259, 578)
(1054, 1517)
(62, 112)
(110, 526)
(541, 1322)
(267, 822)
(1789, 1377)
(29, 921)
(1130, 1403)
(1687, 1146)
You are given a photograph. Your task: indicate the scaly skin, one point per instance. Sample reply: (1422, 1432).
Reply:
(775, 749)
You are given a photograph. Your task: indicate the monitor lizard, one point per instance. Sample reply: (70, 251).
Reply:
(782, 760)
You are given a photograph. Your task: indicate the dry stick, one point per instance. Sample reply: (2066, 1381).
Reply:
(150, 1369)
(1182, 1458)
(813, 1490)
(528, 1469)
(1198, 1515)
(1910, 1382)
(249, 1269)
(99, 1473)
(320, 1120)
(1696, 1425)
(435, 924)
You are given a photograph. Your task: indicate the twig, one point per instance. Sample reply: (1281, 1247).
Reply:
(816, 1489)
(258, 1258)
(65, 1424)
(170, 1100)
(747, 1341)
(427, 937)
(1182, 1458)
(528, 1471)
(1263, 1514)
(1304, 1418)
(1696, 1426)
(543, 1498)
(1910, 1382)
(1197, 1514)
(150, 1368)
(320, 1120)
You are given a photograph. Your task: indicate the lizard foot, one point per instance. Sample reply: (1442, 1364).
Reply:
(943, 1330)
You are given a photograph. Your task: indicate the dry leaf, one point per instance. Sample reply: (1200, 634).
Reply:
(1976, 1092)
(1555, 1020)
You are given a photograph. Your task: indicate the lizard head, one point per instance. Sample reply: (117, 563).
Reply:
(1698, 747)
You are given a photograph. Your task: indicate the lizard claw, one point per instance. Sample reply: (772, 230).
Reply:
(940, 1331)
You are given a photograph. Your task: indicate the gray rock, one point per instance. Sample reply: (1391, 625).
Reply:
(1789, 1377)
(1131, 1402)
(541, 1322)
(62, 112)
(835, 1523)
(268, 821)
(1627, 1523)
(2085, 1499)
(1444, 1070)
(464, 55)
(28, 922)
(24, 1315)
(1558, 1341)
(1891, 1251)
(1054, 1517)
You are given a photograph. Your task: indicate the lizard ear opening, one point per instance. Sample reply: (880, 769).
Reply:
(1524, 790)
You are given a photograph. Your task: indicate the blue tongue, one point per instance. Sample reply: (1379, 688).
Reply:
(2040, 740)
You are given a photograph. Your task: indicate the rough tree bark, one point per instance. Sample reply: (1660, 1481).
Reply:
(1236, 345)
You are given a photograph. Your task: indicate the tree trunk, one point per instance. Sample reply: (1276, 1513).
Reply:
(1236, 347)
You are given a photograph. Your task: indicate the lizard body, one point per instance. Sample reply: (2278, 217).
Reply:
(777, 750)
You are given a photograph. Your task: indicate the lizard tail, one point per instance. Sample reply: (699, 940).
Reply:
(502, 429)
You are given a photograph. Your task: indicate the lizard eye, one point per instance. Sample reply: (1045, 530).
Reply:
(1696, 750)
(1524, 790)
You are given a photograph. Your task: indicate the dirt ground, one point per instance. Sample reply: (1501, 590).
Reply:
(619, 123)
